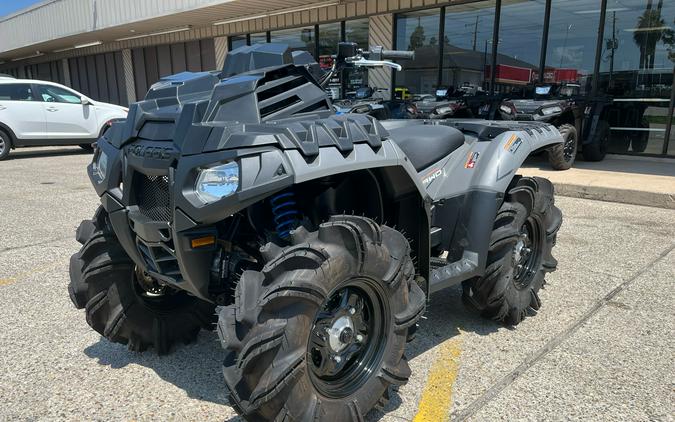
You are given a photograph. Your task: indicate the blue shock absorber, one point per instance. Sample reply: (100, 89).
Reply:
(286, 215)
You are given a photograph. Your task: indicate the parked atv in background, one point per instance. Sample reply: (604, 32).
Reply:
(243, 188)
(448, 103)
(363, 102)
(554, 104)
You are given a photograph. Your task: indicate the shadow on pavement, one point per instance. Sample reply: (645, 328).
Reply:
(197, 370)
(446, 317)
(21, 153)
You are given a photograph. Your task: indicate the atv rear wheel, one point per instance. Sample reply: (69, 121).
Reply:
(561, 156)
(523, 235)
(597, 148)
(319, 333)
(122, 303)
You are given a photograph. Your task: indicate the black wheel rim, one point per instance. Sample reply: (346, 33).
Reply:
(527, 253)
(149, 287)
(570, 148)
(347, 338)
(160, 298)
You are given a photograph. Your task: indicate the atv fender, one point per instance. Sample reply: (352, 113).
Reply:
(471, 186)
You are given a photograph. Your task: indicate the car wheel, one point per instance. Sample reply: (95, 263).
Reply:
(5, 145)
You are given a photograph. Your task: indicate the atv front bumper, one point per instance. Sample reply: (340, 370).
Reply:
(155, 213)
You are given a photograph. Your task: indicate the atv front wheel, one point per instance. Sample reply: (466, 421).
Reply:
(122, 303)
(523, 235)
(319, 333)
(561, 156)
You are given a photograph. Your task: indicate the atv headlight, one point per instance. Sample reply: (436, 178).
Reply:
(505, 109)
(444, 110)
(217, 182)
(100, 165)
(551, 110)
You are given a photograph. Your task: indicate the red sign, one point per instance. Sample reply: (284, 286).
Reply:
(515, 75)
(511, 74)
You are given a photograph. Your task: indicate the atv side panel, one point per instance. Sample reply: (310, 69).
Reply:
(467, 188)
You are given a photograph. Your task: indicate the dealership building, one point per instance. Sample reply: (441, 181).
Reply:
(622, 51)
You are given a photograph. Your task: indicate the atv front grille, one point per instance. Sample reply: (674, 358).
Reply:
(152, 197)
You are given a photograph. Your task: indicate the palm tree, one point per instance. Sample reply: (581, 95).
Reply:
(648, 33)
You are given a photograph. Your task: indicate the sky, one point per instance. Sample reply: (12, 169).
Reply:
(11, 6)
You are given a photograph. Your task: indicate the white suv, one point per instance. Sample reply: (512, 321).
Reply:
(41, 113)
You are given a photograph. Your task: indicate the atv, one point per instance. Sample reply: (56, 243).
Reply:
(316, 238)
(363, 102)
(448, 103)
(555, 104)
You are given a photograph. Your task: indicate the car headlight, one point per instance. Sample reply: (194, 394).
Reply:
(551, 110)
(217, 182)
(505, 109)
(100, 165)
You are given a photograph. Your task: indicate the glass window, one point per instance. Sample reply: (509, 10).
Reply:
(329, 37)
(637, 71)
(467, 44)
(237, 41)
(418, 32)
(520, 30)
(16, 92)
(573, 32)
(296, 38)
(357, 31)
(259, 38)
(55, 94)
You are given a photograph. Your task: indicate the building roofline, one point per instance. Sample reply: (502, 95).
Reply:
(25, 10)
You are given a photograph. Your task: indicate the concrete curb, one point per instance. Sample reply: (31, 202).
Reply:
(624, 196)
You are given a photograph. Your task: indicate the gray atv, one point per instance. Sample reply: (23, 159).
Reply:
(316, 238)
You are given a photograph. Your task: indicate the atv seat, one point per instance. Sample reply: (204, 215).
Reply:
(426, 144)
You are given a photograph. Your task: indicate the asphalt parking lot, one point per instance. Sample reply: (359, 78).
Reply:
(601, 348)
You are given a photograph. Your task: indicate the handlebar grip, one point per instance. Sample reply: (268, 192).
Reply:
(398, 54)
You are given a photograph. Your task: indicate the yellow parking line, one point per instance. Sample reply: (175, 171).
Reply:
(17, 277)
(437, 395)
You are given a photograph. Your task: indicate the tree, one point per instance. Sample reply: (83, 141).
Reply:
(669, 40)
(417, 37)
(648, 32)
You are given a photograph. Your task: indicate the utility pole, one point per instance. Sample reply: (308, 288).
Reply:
(612, 46)
(475, 34)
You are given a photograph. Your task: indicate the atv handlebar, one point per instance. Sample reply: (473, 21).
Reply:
(350, 55)
(398, 54)
(379, 53)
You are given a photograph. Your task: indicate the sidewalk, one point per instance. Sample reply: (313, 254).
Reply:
(624, 179)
